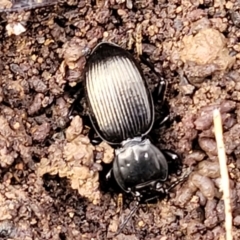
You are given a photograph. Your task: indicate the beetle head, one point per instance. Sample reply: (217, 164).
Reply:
(139, 166)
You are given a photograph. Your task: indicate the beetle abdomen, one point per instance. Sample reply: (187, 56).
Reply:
(121, 105)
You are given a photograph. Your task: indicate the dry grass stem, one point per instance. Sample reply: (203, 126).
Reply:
(224, 172)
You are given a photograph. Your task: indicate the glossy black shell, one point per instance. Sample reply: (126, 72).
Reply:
(121, 105)
(138, 165)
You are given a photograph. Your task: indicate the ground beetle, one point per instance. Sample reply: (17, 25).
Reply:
(122, 113)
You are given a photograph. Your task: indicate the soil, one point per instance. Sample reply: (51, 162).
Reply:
(52, 166)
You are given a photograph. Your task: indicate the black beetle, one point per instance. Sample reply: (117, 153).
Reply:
(122, 112)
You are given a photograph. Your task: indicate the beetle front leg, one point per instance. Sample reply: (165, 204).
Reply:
(181, 179)
(175, 166)
(173, 160)
(170, 155)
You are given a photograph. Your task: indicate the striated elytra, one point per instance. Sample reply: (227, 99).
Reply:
(122, 112)
(120, 101)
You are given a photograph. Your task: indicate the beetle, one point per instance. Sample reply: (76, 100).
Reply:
(121, 110)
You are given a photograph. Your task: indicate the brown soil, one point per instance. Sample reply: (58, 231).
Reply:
(51, 173)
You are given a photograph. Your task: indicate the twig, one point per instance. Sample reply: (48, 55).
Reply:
(224, 172)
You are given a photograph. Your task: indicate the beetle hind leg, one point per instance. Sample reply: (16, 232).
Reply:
(161, 107)
(159, 92)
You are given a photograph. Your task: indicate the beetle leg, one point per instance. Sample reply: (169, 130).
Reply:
(75, 105)
(70, 116)
(170, 155)
(159, 92)
(160, 192)
(160, 188)
(109, 175)
(173, 160)
(161, 116)
(162, 121)
(161, 108)
(182, 178)
(96, 141)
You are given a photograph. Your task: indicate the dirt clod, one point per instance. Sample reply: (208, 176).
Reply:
(204, 54)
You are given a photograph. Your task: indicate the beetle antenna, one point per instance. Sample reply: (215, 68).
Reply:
(133, 211)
